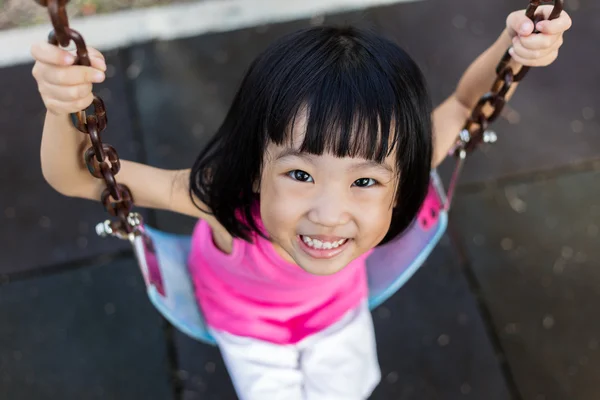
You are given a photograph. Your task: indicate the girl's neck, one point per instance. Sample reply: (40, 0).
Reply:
(282, 253)
(222, 241)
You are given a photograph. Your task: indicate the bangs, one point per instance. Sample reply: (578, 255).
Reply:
(337, 123)
(350, 101)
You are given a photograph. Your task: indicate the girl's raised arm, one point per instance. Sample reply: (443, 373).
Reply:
(527, 48)
(66, 89)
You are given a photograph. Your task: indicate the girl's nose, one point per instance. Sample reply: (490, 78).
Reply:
(330, 208)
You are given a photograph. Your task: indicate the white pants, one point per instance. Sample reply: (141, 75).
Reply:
(338, 363)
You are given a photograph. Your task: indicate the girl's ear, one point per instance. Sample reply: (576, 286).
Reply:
(256, 187)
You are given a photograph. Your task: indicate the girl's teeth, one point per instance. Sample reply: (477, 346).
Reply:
(317, 244)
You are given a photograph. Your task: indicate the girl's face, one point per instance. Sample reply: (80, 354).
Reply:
(322, 212)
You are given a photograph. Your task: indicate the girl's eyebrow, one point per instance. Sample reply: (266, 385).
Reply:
(372, 164)
(291, 152)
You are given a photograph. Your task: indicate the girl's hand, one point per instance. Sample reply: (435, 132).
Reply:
(536, 49)
(65, 88)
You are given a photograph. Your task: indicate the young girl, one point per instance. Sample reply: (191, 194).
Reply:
(324, 154)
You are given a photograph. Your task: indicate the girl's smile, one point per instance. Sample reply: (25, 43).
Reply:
(323, 247)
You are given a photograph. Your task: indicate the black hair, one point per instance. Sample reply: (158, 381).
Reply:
(364, 97)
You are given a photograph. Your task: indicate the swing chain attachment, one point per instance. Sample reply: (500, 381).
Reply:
(101, 159)
(490, 105)
(104, 229)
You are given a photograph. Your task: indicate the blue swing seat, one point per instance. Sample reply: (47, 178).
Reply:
(163, 261)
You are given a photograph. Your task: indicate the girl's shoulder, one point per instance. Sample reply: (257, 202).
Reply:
(208, 238)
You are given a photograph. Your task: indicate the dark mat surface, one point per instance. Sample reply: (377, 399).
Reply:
(432, 340)
(533, 247)
(83, 334)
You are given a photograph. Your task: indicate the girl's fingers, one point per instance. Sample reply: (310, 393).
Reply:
(537, 41)
(49, 54)
(556, 26)
(93, 53)
(67, 76)
(530, 54)
(66, 88)
(98, 63)
(537, 62)
(68, 107)
(66, 93)
(96, 58)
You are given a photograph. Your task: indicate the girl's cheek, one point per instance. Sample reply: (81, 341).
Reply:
(374, 198)
(286, 186)
(284, 196)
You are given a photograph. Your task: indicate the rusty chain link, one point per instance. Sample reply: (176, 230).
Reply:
(101, 159)
(491, 104)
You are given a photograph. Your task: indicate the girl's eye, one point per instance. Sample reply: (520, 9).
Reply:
(299, 175)
(365, 182)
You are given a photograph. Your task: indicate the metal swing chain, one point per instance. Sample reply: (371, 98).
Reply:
(101, 159)
(475, 130)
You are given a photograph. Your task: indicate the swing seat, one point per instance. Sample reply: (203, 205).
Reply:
(163, 259)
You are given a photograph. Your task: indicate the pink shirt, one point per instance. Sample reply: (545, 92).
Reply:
(254, 292)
